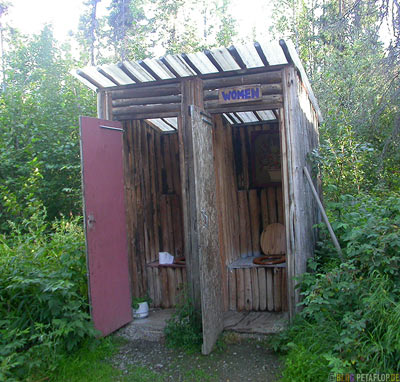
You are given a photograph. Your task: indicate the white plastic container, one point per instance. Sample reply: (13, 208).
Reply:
(142, 311)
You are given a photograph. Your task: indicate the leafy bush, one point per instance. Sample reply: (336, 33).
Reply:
(354, 306)
(184, 329)
(43, 304)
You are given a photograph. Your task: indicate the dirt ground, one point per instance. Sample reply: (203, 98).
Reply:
(235, 361)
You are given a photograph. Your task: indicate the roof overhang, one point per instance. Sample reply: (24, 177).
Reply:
(238, 59)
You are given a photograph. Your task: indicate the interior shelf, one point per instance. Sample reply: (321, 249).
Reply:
(247, 262)
(156, 264)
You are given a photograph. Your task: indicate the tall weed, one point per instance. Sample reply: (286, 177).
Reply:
(184, 328)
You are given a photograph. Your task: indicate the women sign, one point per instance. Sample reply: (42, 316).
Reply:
(242, 93)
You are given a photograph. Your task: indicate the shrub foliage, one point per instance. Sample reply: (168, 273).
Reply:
(43, 304)
(184, 329)
(351, 311)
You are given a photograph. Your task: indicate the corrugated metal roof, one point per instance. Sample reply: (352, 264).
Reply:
(237, 57)
(183, 65)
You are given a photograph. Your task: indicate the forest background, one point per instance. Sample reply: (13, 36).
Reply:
(355, 74)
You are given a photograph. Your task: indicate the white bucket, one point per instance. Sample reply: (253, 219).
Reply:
(142, 311)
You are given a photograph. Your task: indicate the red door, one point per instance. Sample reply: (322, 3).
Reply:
(104, 210)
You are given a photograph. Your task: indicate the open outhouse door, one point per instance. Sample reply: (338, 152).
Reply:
(104, 214)
(207, 228)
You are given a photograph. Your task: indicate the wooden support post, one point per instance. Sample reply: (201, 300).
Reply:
(101, 97)
(109, 106)
(192, 94)
(287, 184)
(104, 105)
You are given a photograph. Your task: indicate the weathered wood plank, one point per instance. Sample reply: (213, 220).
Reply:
(255, 221)
(184, 278)
(270, 289)
(154, 91)
(245, 157)
(154, 197)
(146, 194)
(139, 229)
(157, 287)
(240, 289)
(221, 200)
(262, 288)
(264, 208)
(170, 224)
(178, 286)
(165, 303)
(248, 79)
(272, 205)
(171, 286)
(277, 289)
(248, 297)
(232, 289)
(166, 247)
(192, 93)
(168, 164)
(284, 291)
(279, 200)
(254, 289)
(174, 152)
(157, 100)
(177, 222)
(146, 109)
(206, 218)
(145, 115)
(300, 129)
(244, 220)
(150, 285)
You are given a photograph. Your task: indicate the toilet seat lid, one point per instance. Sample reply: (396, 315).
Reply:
(273, 239)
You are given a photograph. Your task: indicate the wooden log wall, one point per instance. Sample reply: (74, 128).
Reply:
(258, 289)
(155, 100)
(243, 213)
(154, 213)
(300, 129)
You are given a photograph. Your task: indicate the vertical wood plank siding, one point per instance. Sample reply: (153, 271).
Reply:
(154, 212)
(300, 130)
(154, 217)
(243, 213)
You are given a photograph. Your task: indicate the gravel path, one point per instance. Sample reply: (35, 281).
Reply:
(248, 360)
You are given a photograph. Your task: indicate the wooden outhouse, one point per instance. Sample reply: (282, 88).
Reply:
(200, 155)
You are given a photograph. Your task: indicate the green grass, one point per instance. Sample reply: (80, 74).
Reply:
(198, 375)
(142, 374)
(88, 364)
(91, 363)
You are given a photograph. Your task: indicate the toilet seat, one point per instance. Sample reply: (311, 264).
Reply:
(273, 245)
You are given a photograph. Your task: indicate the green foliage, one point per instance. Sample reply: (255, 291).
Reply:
(355, 78)
(184, 329)
(347, 306)
(129, 28)
(43, 293)
(39, 135)
(354, 306)
(137, 300)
